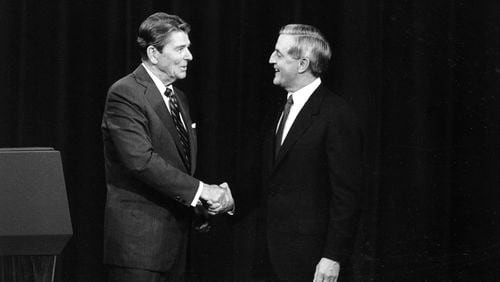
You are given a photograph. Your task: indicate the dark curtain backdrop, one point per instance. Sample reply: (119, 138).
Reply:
(423, 76)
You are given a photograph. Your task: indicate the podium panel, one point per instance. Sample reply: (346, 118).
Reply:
(34, 212)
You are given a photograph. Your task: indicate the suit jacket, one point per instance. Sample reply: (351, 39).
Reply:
(149, 190)
(311, 190)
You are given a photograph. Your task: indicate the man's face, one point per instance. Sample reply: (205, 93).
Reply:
(174, 57)
(285, 67)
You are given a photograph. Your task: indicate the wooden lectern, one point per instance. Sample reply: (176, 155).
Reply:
(34, 212)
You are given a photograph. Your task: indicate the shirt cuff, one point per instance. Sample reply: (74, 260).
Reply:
(197, 196)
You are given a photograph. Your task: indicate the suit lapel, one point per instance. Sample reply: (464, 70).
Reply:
(268, 147)
(155, 99)
(301, 123)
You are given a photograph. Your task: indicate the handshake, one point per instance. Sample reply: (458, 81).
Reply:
(217, 199)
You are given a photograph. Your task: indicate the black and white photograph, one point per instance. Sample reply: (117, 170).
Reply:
(252, 141)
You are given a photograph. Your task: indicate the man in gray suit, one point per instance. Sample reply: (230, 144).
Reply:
(150, 158)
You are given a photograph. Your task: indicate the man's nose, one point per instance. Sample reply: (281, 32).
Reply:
(188, 55)
(271, 58)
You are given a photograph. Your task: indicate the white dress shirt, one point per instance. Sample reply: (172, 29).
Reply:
(300, 97)
(161, 87)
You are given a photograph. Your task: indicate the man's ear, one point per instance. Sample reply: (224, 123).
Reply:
(303, 65)
(152, 53)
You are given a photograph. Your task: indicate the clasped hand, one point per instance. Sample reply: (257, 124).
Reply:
(217, 198)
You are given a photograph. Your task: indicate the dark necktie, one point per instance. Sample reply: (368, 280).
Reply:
(176, 117)
(279, 133)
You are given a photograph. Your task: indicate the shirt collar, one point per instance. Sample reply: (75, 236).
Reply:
(161, 87)
(302, 95)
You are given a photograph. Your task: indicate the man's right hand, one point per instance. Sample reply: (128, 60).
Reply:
(214, 196)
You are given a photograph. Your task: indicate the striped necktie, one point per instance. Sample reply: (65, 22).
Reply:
(176, 117)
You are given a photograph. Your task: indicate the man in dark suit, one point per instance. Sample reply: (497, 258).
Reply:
(312, 167)
(150, 157)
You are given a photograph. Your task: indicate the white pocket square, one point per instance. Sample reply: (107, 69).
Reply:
(193, 125)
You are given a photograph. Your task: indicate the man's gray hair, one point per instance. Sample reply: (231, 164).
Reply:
(311, 44)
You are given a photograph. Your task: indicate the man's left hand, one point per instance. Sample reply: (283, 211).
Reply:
(201, 222)
(327, 270)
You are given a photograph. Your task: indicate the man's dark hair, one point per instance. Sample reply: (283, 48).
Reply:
(155, 30)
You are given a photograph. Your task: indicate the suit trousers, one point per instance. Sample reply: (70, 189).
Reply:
(122, 274)
(176, 273)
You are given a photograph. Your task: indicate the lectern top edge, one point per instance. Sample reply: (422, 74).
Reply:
(26, 149)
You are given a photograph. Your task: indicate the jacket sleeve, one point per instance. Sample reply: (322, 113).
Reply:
(344, 151)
